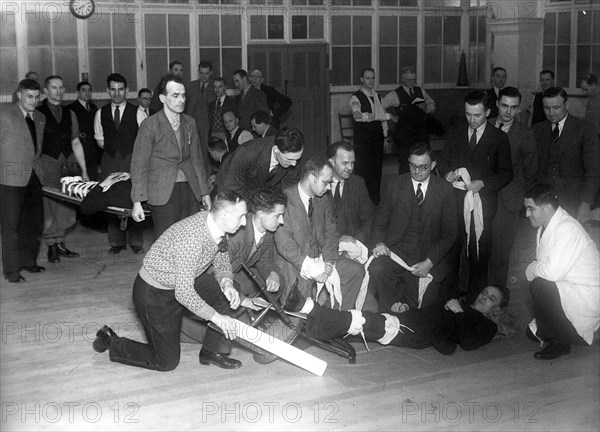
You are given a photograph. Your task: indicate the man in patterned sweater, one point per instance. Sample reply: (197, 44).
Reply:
(175, 275)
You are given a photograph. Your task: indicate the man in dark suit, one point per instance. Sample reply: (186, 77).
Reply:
(569, 155)
(307, 242)
(484, 152)
(352, 207)
(499, 81)
(200, 94)
(416, 220)
(523, 152)
(21, 212)
(261, 125)
(85, 111)
(236, 136)
(249, 100)
(218, 107)
(263, 162)
(254, 246)
(168, 169)
(536, 111)
(116, 126)
(279, 104)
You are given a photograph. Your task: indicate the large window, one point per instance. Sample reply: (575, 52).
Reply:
(351, 48)
(221, 43)
(442, 49)
(557, 45)
(477, 46)
(8, 54)
(397, 46)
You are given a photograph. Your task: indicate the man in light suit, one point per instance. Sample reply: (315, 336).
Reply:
(307, 242)
(200, 95)
(21, 212)
(484, 152)
(352, 207)
(167, 169)
(416, 220)
(269, 161)
(569, 155)
(523, 152)
(249, 100)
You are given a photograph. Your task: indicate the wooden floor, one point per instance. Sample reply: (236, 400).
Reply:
(51, 379)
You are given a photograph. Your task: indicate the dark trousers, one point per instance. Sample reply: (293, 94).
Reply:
(118, 237)
(161, 314)
(392, 283)
(368, 147)
(505, 226)
(182, 203)
(21, 224)
(552, 323)
(479, 264)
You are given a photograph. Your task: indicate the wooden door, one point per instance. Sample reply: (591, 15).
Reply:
(300, 72)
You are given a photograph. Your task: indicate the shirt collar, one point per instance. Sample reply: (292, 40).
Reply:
(25, 113)
(121, 105)
(274, 162)
(561, 124)
(424, 184)
(174, 118)
(303, 196)
(82, 102)
(215, 232)
(480, 129)
(257, 234)
(506, 126)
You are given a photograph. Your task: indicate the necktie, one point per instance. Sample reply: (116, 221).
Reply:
(555, 132)
(223, 244)
(273, 172)
(146, 111)
(202, 89)
(419, 195)
(117, 117)
(473, 140)
(500, 126)
(337, 197)
(87, 106)
(412, 93)
(31, 126)
(310, 209)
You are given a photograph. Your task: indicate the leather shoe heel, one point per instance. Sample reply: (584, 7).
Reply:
(223, 361)
(553, 351)
(104, 338)
(34, 268)
(62, 250)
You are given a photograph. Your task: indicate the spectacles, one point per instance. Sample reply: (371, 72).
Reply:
(414, 167)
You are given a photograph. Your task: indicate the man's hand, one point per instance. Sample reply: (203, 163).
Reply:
(247, 303)
(273, 282)
(452, 177)
(399, 307)
(381, 249)
(206, 202)
(232, 295)
(584, 212)
(474, 186)
(422, 269)
(84, 176)
(137, 212)
(454, 306)
(226, 324)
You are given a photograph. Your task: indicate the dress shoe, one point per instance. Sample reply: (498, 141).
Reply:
(34, 268)
(115, 250)
(137, 249)
(62, 250)
(553, 351)
(221, 360)
(14, 277)
(53, 254)
(104, 337)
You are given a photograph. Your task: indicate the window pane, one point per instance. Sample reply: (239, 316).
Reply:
(38, 30)
(361, 58)
(232, 30)
(40, 60)
(432, 64)
(563, 35)
(315, 27)
(341, 66)
(433, 30)
(275, 27)
(473, 30)
(596, 19)
(549, 56)
(451, 62)
(232, 60)
(407, 56)
(65, 33)
(388, 65)
(212, 55)
(99, 32)
(340, 26)
(156, 30)
(209, 30)
(8, 36)
(65, 60)
(482, 29)
(388, 30)
(179, 30)
(408, 30)
(100, 67)
(584, 27)
(157, 64)
(562, 66)
(8, 70)
(549, 28)
(124, 34)
(451, 30)
(299, 27)
(361, 30)
(258, 27)
(125, 62)
(584, 55)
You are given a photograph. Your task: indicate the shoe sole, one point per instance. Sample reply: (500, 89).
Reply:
(209, 362)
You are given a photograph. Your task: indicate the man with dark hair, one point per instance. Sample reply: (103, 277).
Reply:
(201, 93)
(476, 160)
(261, 124)
(565, 277)
(175, 68)
(307, 243)
(409, 105)
(116, 126)
(353, 209)
(236, 136)
(279, 104)
(589, 85)
(523, 152)
(217, 149)
(21, 212)
(569, 155)
(144, 99)
(269, 161)
(417, 221)
(218, 107)
(62, 155)
(168, 168)
(249, 100)
(536, 111)
(85, 110)
(498, 81)
(370, 132)
(187, 267)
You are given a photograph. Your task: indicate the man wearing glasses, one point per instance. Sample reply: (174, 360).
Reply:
(417, 221)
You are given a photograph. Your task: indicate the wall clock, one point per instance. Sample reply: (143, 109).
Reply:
(82, 8)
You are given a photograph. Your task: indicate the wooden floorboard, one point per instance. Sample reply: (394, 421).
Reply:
(51, 379)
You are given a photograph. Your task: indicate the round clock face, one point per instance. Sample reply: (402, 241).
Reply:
(82, 8)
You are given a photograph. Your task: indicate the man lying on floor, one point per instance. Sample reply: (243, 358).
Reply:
(443, 327)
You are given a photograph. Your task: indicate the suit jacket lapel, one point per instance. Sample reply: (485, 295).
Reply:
(298, 208)
(565, 135)
(431, 198)
(167, 129)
